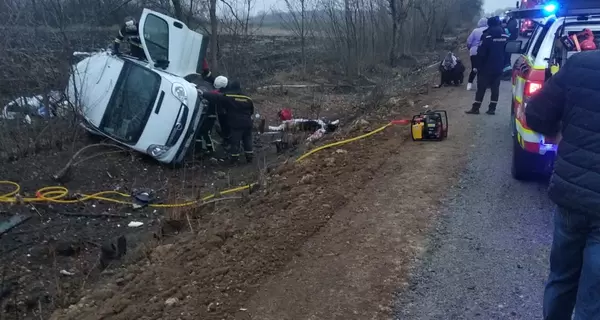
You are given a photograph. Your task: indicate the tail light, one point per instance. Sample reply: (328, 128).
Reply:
(531, 87)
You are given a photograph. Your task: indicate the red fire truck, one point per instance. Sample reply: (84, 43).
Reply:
(527, 25)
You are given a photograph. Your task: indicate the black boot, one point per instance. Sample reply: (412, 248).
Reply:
(491, 109)
(233, 160)
(474, 109)
(249, 157)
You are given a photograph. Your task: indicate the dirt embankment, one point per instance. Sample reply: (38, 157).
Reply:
(214, 271)
(330, 237)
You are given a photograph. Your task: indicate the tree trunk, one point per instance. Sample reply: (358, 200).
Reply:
(214, 33)
(303, 35)
(349, 37)
(394, 14)
(178, 9)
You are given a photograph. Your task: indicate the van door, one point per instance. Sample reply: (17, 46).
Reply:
(170, 45)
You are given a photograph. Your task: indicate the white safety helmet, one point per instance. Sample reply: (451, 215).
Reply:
(220, 82)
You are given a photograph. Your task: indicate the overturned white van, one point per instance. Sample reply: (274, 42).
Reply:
(145, 105)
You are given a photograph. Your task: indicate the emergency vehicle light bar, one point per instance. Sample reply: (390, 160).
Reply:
(578, 8)
(537, 12)
(571, 8)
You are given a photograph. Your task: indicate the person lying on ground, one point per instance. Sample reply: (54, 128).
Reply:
(317, 127)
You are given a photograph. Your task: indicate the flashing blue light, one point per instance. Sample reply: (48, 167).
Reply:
(550, 8)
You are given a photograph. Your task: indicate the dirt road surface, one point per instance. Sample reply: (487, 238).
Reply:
(488, 256)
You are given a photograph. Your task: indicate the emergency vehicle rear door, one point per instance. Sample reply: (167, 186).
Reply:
(170, 45)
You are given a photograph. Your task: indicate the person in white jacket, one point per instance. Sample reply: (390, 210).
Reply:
(473, 42)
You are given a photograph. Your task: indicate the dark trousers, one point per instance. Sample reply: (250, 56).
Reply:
(574, 280)
(507, 60)
(485, 81)
(205, 132)
(241, 136)
(474, 67)
(225, 131)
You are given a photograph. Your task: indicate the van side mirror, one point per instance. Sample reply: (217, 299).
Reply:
(518, 5)
(513, 46)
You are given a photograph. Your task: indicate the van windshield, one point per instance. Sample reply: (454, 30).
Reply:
(131, 103)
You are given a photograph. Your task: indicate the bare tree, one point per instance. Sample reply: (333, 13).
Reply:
(399, 11)
(214, 33)
(297, 20)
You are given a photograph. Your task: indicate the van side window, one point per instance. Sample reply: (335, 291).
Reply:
(531, 39)
(156, 34)
(544, 31)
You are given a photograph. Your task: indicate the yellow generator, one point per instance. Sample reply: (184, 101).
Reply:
(431, 125)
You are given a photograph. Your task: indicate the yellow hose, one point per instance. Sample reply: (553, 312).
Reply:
(339, 143)
(58, 194)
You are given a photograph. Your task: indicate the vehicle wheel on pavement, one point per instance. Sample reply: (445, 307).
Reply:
(523, 163)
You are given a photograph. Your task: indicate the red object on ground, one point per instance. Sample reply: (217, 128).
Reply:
(401, 121)
(285, 114)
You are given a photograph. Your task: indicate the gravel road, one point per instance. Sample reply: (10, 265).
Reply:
(488, 258)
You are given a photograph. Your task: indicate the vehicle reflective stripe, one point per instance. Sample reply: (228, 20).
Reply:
(520, 140)
(519, 89)
(527, 134)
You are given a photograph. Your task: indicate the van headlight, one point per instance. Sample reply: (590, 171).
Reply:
(179, 92)
(156, 150)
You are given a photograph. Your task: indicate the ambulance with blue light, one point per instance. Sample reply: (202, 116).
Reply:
(539, 58)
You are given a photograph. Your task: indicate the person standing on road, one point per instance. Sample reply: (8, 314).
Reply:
(490, 56)
(513, 29)
(567, 108)
(473, 42)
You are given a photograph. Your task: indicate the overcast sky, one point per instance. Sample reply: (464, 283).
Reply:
(491, 5)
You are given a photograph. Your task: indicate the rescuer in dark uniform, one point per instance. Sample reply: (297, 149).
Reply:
(491, 57)
(130, 32)
(239, 109)
(219, 83)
